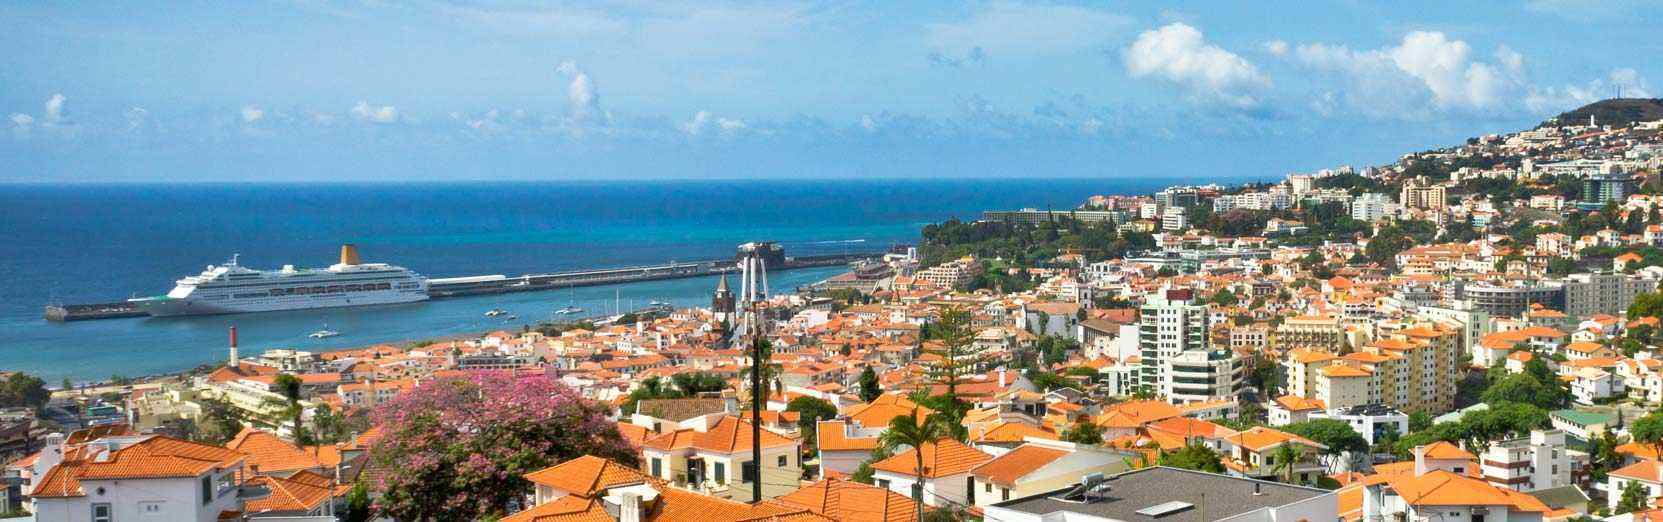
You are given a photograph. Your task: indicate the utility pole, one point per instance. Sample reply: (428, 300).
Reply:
(753, 290)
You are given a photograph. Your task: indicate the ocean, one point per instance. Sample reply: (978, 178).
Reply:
(106, 242)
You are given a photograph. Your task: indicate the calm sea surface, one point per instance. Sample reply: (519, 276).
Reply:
(96, 243)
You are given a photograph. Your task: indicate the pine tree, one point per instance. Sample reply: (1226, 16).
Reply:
(953, 343)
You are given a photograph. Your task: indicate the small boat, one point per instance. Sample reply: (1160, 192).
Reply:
(511, 318)
(568, 310)
(325, 333)
(658, 303)
(496, 312)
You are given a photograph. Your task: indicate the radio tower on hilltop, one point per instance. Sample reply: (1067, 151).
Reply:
(753, 327)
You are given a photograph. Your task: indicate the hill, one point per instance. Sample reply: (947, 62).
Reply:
(1617, 111)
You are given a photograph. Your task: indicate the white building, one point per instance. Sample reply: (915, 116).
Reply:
(1528, 464)
(1372, 421)
(947, 467)
(145, 477)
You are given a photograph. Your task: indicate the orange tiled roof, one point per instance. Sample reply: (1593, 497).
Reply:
(941, 458)
(1261, 438)
(303, 491)
(1010, 432)
(1443, 488)
(158, 457)
(271, 454)
(728, 435)
(834, 436)
(1006, 469)
(584, 476)
(852, 502)
(1135, 414)
(1444, 450)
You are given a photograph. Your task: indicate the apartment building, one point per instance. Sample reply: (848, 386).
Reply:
(1590, 294)
(1527, 464)
(716, 460)
(1171, 324)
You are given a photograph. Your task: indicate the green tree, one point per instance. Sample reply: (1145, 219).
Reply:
(1083, 433)
(1648, 430)
(1284, 459)
(288, 385)
(870, 388)
(357, 504)
(1337, 435)
(910, 431)
(863, 472)
(23, 390)
(1524, 388)
(959, 357)
(1196, 457)
(1419, 421)
(1649, 304)
(1633, 499)
(810, 411)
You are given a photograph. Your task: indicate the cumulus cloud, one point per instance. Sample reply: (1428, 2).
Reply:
(1624, 81)
(252, 114)
(55, 109)
(1180, 54)
(1276, 47)
(704, 122)
(1426, 72)
(580, 92)
(22, 123)
(375, 114)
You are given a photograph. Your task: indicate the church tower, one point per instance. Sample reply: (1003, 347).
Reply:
(721, 303)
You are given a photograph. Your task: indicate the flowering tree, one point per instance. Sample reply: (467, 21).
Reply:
(456, 448)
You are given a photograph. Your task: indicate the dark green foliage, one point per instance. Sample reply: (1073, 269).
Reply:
(1336, 434)
(870, 389)
(1194, 456)
(23, 390)
(1083, 433)
(810, 412)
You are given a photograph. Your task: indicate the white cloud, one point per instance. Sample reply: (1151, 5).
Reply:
(55, 108)
(1425, 72)
(382, 114)
(136, 117)
(1276, 47)
(1180, 54)
(1550, 100)
(1008, 28)
(252, 114)
(581, 93)
(703, 121)
(21, 123)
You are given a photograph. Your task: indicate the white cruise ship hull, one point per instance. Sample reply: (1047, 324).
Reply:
(164, 306)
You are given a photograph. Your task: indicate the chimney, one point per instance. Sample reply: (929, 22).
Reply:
(51, 453)
(1420, 460)
(629, 510)
(234, 359)
(1001, 378)
(349, 254)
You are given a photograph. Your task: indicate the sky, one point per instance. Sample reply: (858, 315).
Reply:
(424, 90)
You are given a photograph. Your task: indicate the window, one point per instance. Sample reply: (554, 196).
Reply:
(782, 461)
(207, 490)
(657, 467)
(747, 471)
(102, 513)
(720, 472)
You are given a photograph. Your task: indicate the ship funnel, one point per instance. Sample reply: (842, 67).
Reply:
(349, 254)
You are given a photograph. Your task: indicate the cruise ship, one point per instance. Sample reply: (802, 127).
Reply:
(232, 288)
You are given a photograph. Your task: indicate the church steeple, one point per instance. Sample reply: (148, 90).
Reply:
(721, 303)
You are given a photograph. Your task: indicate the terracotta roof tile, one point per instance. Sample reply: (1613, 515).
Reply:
(1006, 469)
(941, 458)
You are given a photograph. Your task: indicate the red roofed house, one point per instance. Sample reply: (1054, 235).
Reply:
(140, 478)
(1042, 467)
(947, 466)
(717, 460)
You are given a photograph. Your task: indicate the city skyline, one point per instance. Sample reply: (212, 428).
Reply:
(319, 91)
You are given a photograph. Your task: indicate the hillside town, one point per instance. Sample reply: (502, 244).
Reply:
(1468, 333)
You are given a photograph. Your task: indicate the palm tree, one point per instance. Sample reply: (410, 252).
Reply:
(289, 386)
(1284, 459)
(913, 432)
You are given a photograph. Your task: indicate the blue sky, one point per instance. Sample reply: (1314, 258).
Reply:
(451, 90)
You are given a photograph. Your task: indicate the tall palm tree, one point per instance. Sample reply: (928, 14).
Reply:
(1284, 459)
(289, 386)
(914, 432)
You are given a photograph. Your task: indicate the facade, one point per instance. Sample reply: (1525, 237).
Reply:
(1372, 421)
(716, 460)
(139, 478)
(1169, 325)
(1589, 294)
(1528, 464)
(947, 467)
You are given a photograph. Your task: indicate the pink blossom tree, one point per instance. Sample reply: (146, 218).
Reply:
(457, 448)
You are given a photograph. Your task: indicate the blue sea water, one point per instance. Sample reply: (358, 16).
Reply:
(97, 243)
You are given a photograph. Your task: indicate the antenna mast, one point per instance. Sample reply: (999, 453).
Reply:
(753, 290)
